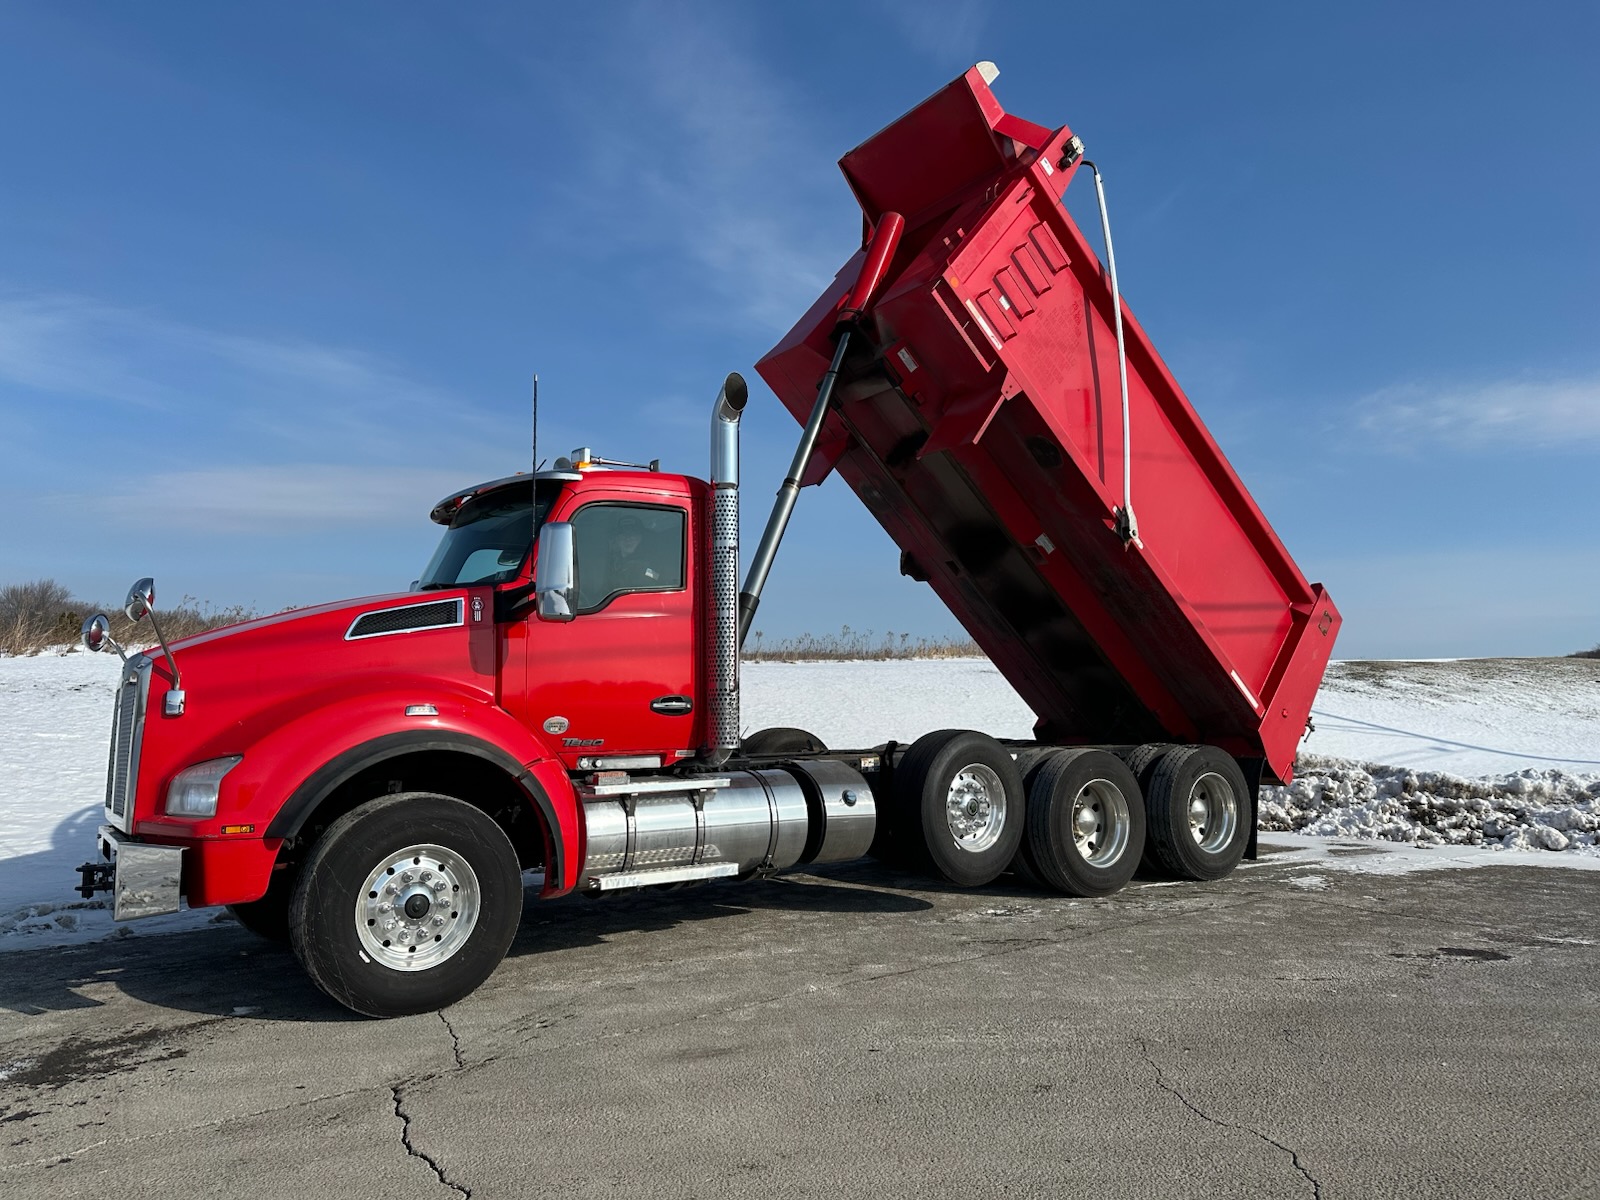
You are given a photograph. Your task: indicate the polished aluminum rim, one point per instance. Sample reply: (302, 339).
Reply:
(1213, 812)
(1100, 822)
(417, 908)
(975, 808)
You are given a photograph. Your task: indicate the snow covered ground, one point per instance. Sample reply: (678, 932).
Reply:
(1481, 761)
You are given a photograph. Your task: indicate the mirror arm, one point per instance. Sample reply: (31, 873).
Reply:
(177, 680)
(514, 603)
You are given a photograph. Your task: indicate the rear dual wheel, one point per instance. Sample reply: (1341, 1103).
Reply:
(1199, 812)
(1086, 823)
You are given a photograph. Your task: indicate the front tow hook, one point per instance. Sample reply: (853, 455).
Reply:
(97, 877)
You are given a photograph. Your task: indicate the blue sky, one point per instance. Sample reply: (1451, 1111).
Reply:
(273, 279)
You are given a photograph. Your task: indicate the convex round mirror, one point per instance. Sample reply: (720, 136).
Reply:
(141, 599)
(96, 633)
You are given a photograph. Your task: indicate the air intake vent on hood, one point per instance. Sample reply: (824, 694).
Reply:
(408, 618)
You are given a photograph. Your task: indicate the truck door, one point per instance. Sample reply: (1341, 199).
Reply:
(621, 677)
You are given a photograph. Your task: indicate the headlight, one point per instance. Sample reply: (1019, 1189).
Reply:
(193, 791)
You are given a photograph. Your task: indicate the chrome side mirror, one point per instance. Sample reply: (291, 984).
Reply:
(141, 599)
(555, 578)
(96, 635)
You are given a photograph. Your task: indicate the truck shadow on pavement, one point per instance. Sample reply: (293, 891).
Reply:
(225, 971)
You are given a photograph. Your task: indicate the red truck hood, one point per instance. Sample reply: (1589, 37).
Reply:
(243, 681)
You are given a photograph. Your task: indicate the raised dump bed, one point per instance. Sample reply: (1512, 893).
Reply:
(980, 421)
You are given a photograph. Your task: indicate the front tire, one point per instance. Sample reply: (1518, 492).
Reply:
(959, 806)
(268, 917)
(406, 904)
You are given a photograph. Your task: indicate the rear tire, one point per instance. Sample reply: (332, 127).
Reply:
(1086, 823)
(959, 806)
(1023, 866)
(406, 904)
(1198, 806)
(1142, 761)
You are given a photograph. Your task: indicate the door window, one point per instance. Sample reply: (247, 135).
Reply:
(624, 548)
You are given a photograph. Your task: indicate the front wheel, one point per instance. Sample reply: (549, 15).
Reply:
(406, 904)
(959, 806)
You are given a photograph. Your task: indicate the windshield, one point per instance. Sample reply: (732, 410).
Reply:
(490, 536)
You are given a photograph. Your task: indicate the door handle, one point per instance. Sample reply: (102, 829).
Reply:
(672, 706)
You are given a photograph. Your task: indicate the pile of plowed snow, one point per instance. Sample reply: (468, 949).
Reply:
(1501, 752)
(1531, 809)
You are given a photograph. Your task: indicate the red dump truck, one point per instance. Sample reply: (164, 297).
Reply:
(559, 692)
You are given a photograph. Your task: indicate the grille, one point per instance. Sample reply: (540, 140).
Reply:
(127, 732)
(440, 614)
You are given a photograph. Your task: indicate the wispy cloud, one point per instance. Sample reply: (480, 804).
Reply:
(1508, 598)
(1528, 413)
(288, 392)
(290, 499)
(724, 170)
(947, 31)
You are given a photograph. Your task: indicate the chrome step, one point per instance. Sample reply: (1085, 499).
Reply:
(651, 786)
(638, 879)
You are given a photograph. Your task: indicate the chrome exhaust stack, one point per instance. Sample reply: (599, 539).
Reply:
(723, 644)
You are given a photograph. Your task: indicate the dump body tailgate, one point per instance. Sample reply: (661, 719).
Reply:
(979, 419)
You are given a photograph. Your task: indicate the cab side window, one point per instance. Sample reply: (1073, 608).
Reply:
(627, 548)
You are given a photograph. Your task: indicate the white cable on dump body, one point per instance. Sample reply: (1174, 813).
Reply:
(1130, 526)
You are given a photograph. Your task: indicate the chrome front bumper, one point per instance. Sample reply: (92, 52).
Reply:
(145, 880)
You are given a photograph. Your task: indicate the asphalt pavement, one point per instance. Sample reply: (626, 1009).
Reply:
(1286, 1032)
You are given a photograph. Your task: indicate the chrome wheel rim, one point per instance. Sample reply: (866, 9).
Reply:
(975, 808)
(417, 907)
(1099, 822)
(1213, 812)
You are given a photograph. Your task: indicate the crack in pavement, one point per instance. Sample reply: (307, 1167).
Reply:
(405, 1118)
(1161, 1081)
(219, 1122)
(455, 1040)
(405, 1141)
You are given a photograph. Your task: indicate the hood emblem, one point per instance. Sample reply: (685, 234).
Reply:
(477, 608)
(556, 725)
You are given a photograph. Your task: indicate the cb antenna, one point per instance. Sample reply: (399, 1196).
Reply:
(535, 447)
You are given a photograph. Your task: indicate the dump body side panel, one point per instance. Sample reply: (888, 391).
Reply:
(982, 427)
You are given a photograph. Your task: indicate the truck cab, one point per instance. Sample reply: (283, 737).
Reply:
(635, 631)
